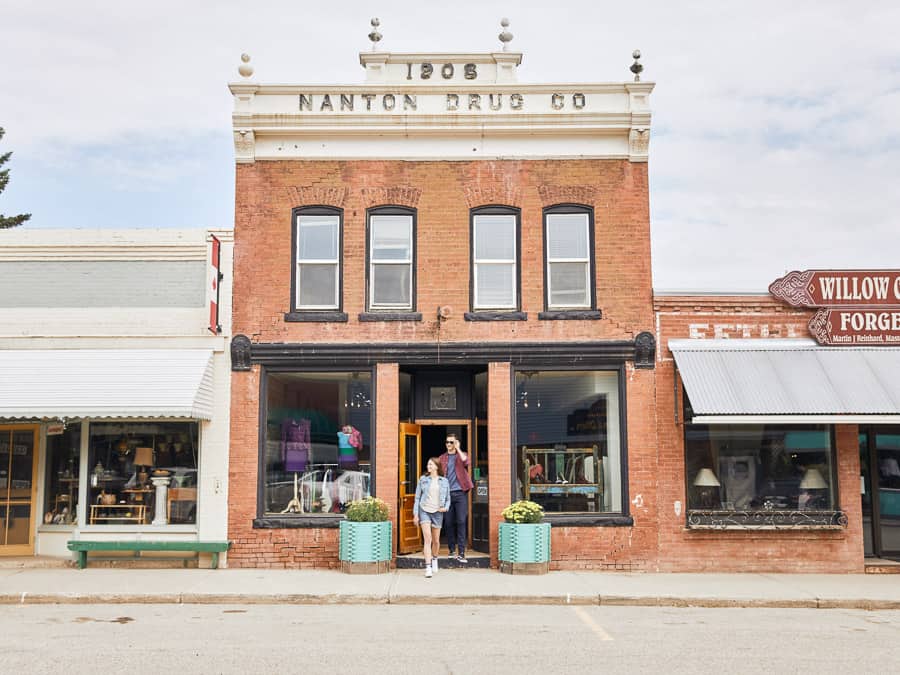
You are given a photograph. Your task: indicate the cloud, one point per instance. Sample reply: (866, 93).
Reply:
(775, 139)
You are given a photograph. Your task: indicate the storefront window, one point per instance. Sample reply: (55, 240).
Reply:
(568, 455)
(61, 488)
(132, 464)
(318, 435)
(759, 468)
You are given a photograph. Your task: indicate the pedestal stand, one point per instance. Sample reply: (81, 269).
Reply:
(161, 483)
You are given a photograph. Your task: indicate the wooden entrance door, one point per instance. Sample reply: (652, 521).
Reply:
(18, 488)
(409, 538)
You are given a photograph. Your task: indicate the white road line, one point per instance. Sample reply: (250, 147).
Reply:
(593, 625)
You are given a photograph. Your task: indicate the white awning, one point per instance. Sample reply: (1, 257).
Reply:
(65, 383)
(788, 381)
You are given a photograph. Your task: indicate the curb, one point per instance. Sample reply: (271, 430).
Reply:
(406, 599)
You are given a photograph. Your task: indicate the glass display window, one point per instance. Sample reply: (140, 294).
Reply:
(61, 481)
(317, 456)
(134, 465)
(759, 468)
(569, 448)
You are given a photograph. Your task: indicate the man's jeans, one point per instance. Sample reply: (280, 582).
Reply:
(455, 522)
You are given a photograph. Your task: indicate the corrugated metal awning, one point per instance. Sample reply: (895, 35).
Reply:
(50, 383)
(788, 381)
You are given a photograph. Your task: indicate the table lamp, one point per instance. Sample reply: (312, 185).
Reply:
(812, 480)
(143, 457)
(705, 480)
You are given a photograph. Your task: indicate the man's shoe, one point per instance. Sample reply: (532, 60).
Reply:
(461, 559)
(428, 572)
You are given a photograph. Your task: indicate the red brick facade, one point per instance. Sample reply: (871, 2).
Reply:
(684, 550)
(443, 193)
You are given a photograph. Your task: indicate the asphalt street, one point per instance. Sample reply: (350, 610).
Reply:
(347, 639)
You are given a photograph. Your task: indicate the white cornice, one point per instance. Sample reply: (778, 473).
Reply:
(440, 87)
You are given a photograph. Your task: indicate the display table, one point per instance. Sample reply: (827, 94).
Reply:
(119, 513)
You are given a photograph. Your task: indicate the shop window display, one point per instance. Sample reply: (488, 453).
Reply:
(568, 455)
(143, 473)
(317, 455)
(762, 468)
(61, 491)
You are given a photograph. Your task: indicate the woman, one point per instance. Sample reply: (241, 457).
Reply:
(432, 502)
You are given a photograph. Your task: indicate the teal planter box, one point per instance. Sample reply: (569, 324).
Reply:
(364, 542)
(525, 543)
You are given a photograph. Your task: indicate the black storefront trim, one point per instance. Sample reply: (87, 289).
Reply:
(390, 316)
(495, 316)
(362, 355)
(587, 520)
(571, 314)
(316, 317)
(296, 522)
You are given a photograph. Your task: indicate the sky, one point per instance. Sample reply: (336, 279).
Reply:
(775, 135)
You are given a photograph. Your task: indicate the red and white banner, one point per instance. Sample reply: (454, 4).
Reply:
(214, 278)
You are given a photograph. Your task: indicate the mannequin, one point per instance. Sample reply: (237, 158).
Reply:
(296, 504)
(295, 454)
(349, 441)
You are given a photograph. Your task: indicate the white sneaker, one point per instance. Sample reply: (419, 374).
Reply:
(428, 572)
(434, 564)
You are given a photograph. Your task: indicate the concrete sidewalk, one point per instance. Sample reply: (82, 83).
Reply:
(250, 586)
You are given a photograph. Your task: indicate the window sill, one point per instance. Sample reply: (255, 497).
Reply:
(570, 315)
(766, 520)
(496, 316)
(390, 316)
(316, 317)
(279, 522)
(588, 520)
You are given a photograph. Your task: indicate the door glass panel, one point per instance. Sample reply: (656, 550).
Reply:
(409, 463)
(18, 524)
(887, 447)
(21, 465)
(866, 495)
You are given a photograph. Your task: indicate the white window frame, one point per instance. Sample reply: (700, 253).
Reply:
(477, 263)
(335, 262)
(586, 260)
(408, 262)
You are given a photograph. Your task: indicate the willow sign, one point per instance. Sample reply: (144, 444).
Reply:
(854, 307)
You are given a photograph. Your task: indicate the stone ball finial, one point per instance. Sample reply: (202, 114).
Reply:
(245, 69)
(636, 67)
(375, 36)
(505, 36)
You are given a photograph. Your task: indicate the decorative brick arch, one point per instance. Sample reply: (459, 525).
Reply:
(567, 194)
(318, 195)
(397, 196)
(507, 195)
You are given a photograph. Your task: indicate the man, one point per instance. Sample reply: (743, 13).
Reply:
(455, 465)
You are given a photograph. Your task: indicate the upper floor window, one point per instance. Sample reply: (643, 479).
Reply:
(495, 256)
(568, 255)
(391, 250)
(317, 255)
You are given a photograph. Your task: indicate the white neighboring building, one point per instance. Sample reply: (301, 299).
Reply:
(114, 389)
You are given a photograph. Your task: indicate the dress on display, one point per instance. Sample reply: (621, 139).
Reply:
(347, 450)
(295, 444)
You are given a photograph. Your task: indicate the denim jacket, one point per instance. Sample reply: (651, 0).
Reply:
(422, 489)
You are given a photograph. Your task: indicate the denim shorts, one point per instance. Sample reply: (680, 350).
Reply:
(436, 519)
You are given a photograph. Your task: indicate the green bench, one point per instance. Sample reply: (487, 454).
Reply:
(82, 546)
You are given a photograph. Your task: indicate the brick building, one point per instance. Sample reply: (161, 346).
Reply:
(443, 249)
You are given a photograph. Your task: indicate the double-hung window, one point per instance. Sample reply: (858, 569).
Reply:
(568, 247)
(391, 249)
(495, 256)
(317, 274)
